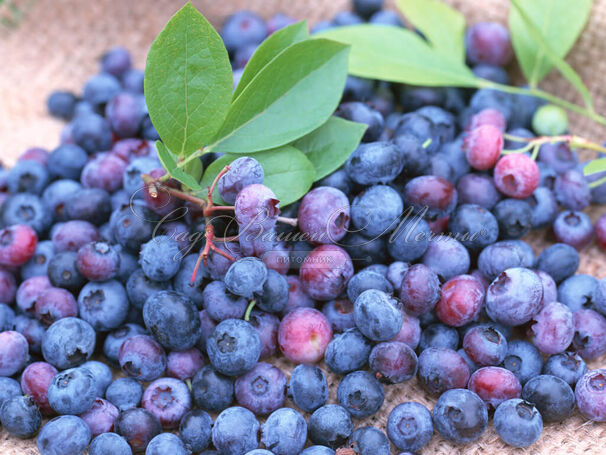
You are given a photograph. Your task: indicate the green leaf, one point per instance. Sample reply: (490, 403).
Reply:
(329, 146)
(558, 21)
(287, 170)
(442, 25)
(557, 61)
(294, 94)
(399, 55)
(188, 82)
(194, 168)
(169, 161)
(269, 49)
(595, 166)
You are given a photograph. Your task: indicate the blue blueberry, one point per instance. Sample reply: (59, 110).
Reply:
(61, 104)
(7, 317)
(284, 432)
(376, 211)
(409, 426)
(27, 176)
(139, 288)
(212, 391)
(124, 113)
(103, 305)
(262, 389)
(544, 207)
(234, 347)
(410, 240)
(330, 426)
(160, 258)
(365, 251)
(378, 315)
(362, 113)
(101, 88)
(241, 29)
(173, 320)
(109, 444)
(523, 359)
(64, 435)
(578, 292)
(340, 314)
(496, 258)
(460, 416)
(514, 297)
(361, 394)
(138, 426)
(68, 342)
(364, 280)
(374, 162)
(9, 388)
(20, 417)
(114, 340)
(131, 179)
(92, 133)
(339, 180)
(558, 260)
(474, 226)
(124, 393)
(274, 295)
(246, 276)
(72, 391)
(38, 264)
(318, 450)
(514, 217)
(27, 209)
(386, 17)
(393, 362)
(478, 189)
(67, 161)
(182, 280)
(132, 80)
(447, 257)
(415, 123)
(165, 443)
(568, 366)
(235, 431)
(571, 190)
(518, 422)
(56, 197)
(195, 430)
(102, 375)
(492, 73)
(552, 396)
(308, 387)
(89, 204)
(347, 351)
(221, 304)
(369, 440)
(488, 98)
(439, 336)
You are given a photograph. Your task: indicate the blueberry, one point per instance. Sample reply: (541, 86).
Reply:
(568, 366)
(166, 443)
(518, 422)
(262, 389)
(133, 225)
(195, 430)
(241, 29)
(101, 417)
(139, 288)
(523, 360)
(552, 396)
(409, 426)
(364, 251)
(114, 340)
(138, 426)
(124, 113)
(318, 450)
(102, 375)
(439, 336)
(246, 276)
(374, 162)
(72, 391)
(347, 352)
(101, 88)
(410, 240)
(109, 444)
(544, 207)
(63, 435)
(131, 179)
(572, 190)
(590, 334)
(441, 369)
(26, 209)
(559, 260)
(92, 133)
(485, 345)
(9, 388)
(590, 397)
(38, 264)
(211, 390)
(361, 394)
(573, 228)
(552, 328)
(474, 226)
(393, 362)
(340, 314)
(494, 385)
(103, 305)
(515, 296)
(377, 315)
(447, 257)
(478, 189)
(27, 177)
(492, 73)
(330, 425)
(386, 17)
(460, 416)
(339, 180)
(90, 204)
(267, 326)
(124, 393)
(67, 161)
(514, 217)
(20, 417)
(56, 197)
(274, 295)
(242, 172)
(61, 104)
(324, 215)
(68, 342)
(496, 258)
(168, 399)
(142, 358)
(173, 320)
(364, 280)
(234, 347)
(284, 432)
(376, 211)
(235, 431)
(308, 387)
(362, 113)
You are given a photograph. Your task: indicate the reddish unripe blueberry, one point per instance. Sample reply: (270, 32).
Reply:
(29, 291)
(37, 154)
(98, 261)
(266, 325)
(17, 245)
(590, 394)
(184, 364)
(324, 215)
(590, 334)
(553, 328)
(8, 286)
(54, 304)
(161, 202)
(103, 171)
(297, 297)
(431, 196)
(256, 209)
(303, 335)
(129, 149)
(600, 231)
(101, 417)
(14, 352)
(35, 380)
(487, 116)
(574, 229)
(168, 399)
(138, 426)
(488, 42)
(72, 235)
(325, 272)
(393, 362)
(483, 147)
(439, 225)
(277, 258)
(461, 301)
(420, 290)
(517, 175)
(484, 345)
(495, 385)
(410, 333)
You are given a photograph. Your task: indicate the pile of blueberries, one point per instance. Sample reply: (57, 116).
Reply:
(405, 262)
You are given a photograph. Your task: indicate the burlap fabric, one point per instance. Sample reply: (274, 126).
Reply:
(56, 46)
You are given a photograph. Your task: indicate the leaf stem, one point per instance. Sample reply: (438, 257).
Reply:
(156, 185)
(249, 309)
(573, 141)
(482, 83)
(292, 221)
